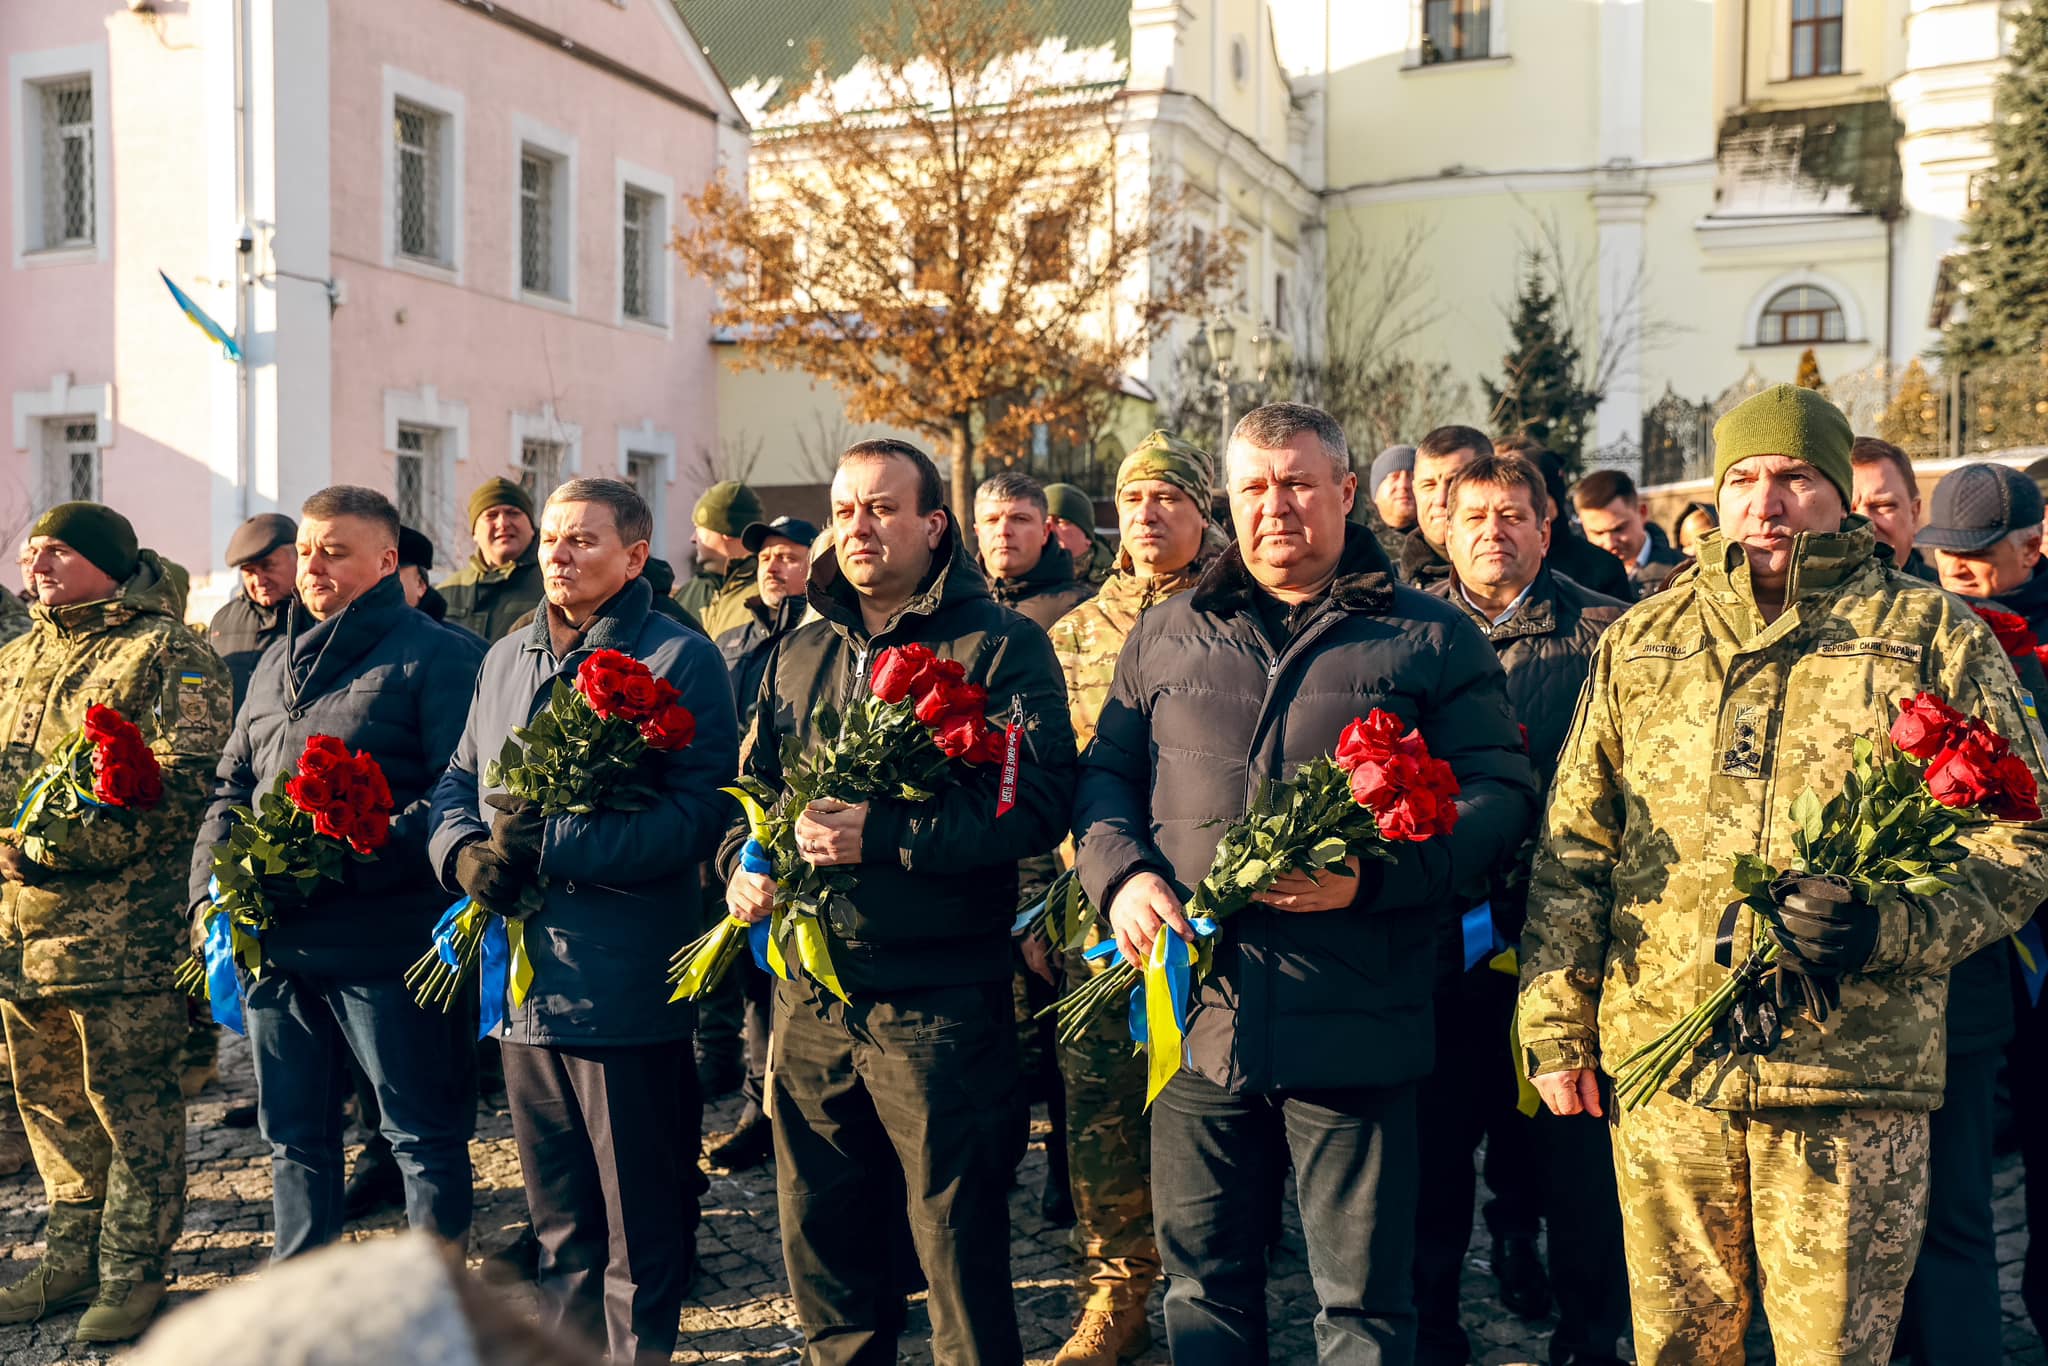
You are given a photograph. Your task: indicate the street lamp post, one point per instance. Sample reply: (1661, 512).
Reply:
(1214, 355)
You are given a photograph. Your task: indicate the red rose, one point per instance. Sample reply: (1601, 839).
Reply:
(2015, 637)
(1964, 773)
(604, 679)
(671, 729)
(310, 792)
(946, 699)
(937, 673)
(103, 724)
(962, 736)
(2014, 796)
(642, 698)
(897, 669)
(370, 833)
(1924, 726)
(995, 749)
(1373, 737)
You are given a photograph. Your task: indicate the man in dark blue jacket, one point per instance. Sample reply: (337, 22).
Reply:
(1308, 1038)
(598, 1066)
(385, 679)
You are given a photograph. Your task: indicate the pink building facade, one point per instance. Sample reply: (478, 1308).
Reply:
(436, 227)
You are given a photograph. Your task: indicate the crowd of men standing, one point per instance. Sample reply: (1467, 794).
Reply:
(1669, 692)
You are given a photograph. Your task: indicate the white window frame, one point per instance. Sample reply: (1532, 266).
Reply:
(49, 475)
(661, 266)
(529, 136)
(1496, 39)
(25, 72)
(63, 401)
(449, 420)
(1844, 297)
(450, 104)
(647, 439)
(545, 425)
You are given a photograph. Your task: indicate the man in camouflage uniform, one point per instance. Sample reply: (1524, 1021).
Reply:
(1070, 516)
(717, 595)
(13, 1142)
(502, 581)
(1709, 708)
(90, 932)
(1162, 503)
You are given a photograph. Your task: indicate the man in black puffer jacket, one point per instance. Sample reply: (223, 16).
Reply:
(1544, 627)
(917, 1070)
(1313, 1029)
(383, 678)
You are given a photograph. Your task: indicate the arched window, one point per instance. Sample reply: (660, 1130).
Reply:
(1801, 316)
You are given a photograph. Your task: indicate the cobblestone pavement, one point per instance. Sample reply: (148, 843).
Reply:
(740, 1310)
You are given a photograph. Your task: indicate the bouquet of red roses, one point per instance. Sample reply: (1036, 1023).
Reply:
(102, 768)
(333, 808)
(2015, 637)
(591, 748)
(1381, 786)
(1894, 824)
(920, 719)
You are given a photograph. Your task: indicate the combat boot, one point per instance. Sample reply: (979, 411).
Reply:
(1105, 1337)
(44, 1291)
(120, 1311)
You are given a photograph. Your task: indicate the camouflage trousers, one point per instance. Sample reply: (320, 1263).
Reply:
(1109, 1154)
(1824, 1206)
(97, 1082)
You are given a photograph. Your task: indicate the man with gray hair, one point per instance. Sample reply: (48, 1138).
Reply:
(367, 669)
(598, 1068)
(1312, 1032)
(1028, 569)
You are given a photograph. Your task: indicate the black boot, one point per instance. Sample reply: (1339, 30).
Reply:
(375, 1184)
(748, 1146)
(1518, 1270)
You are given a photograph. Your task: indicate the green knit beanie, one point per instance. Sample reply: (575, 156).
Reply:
(96, 531)
(1790, 421)
(1180, 463)
(728, 508)
(1070, 504)
(499, 493)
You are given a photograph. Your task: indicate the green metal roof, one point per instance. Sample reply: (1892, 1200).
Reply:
(770, 40)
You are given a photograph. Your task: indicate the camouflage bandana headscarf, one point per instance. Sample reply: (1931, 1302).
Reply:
(1180, 463)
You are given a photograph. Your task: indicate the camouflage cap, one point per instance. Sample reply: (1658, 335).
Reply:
(1180, 463)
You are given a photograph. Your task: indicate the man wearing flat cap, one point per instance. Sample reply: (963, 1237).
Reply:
(1790, 1153)
(92, 926)
(717, 595)
(262, 554)
(502, 581)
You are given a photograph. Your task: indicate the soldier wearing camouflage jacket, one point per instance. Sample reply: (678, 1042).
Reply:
(1161, 499)
(1709, 708)
(91, 933)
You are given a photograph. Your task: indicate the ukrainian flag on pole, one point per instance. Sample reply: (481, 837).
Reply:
(200, 320)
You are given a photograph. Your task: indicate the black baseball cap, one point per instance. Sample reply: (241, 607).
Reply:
(1977, 506)
(793, 528)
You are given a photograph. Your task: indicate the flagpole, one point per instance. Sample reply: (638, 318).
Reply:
(245, 416)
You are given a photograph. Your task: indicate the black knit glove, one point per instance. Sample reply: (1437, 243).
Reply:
(517, 831)
(493, 883)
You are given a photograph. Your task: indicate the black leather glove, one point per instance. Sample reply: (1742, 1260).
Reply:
(1821, 928)
(517, 830)
(493, 883)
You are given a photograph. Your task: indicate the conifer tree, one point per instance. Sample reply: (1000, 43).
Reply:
(2005, 269)
(1541, 391)
(1912, 419)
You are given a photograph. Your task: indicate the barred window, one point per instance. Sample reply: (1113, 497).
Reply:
(71, 460)
(643, 470)
(639, 255)
(1801, 316)
(537, 267)
(413, 475)
(420, 135)
(68, 207)
(540, 468)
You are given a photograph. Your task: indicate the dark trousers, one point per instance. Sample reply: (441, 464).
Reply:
(1588, 1268)
(2025, 1057)
(302, 1032)
(1215, 1164)
(1470, 1096)
(608, 1145)
(1952, 1312)
(899, 1102)
(758, 988)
